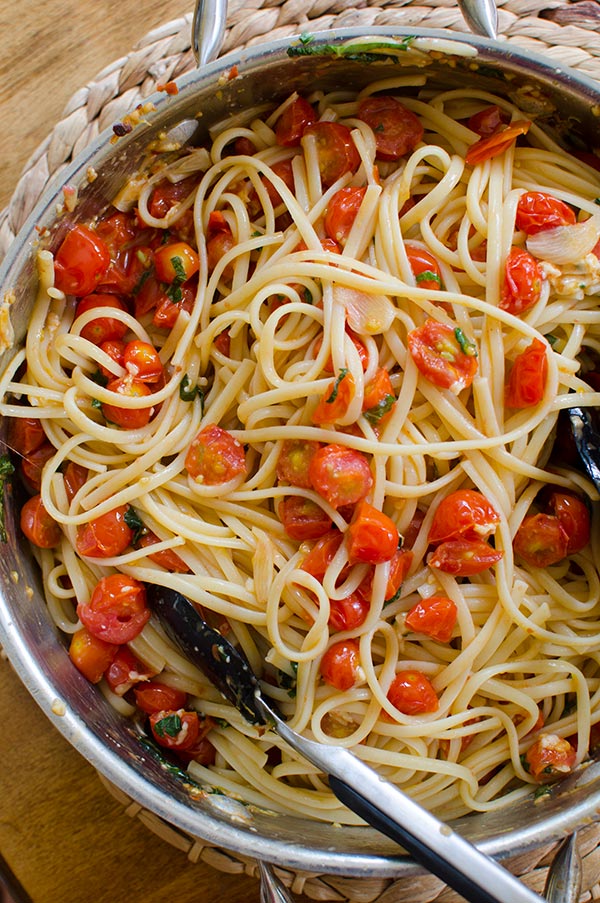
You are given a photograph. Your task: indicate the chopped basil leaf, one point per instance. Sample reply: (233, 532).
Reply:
(170, 725)
(187, 392)
(177, 265)
(174, 293)
(145, 275)
(133, 521)
(551, 339)
(542, 790)
(99, 378)
(287, 681)
(96, 404)
(6, 470)
(374, 414)
(333, 396)
(428, 276)
(357, 50)
(466, 345)
(168, 766)
(596, 200)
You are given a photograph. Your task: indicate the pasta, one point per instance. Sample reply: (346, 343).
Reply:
(343, 334)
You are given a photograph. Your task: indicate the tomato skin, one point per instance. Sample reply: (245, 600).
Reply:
(283, 169)
(496, 143)
(154, 696)
(91, 655)
(527, 381)
(302, 519)
(167, 311)
(488, 121)
(348, 613)
(128, 418)
(435, 617)
(412, 693)
(176, 262)
(425, 268)
(379, 398)
(124, 671)
(336, 151)
(38, 526)
(399, 567)
(464, 557)
(294, 462)
(437, 353)
(397, 130)
(464, 513)
(117, 611)
(322, 553)
(342, 476)
(115, 348)
(167, 194)
(342, 211)
(33, 465)
(80, 262)
(334, 402)
(340, 665)
(215, 456)
(105, 536)
(74, 476)
(549, 757)
(373, 536)
(541, 540)
(293, 121)
(175, 729)
(538, 211)
(102, 329)
(522, 284)
(25, 434)
(141, 360)
(574, 517)
(166, 558)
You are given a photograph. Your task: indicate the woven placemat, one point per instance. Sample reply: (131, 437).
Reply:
(566, 32)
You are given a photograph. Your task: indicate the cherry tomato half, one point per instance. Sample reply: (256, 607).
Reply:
(128, 418)
(303, 519)
(425, 268)
(340, 665)
(412, 693)
(141, 360)
(74, 476)
(527, 381)
(550, 757)
(167, 194)
(574, 517)
(215, 456)
(541, 540)
(399, 567)
(124, 671)
(496, 143)
(464, 557)
(154, 696)
(32, 467)
(293, 121)
(102, 328)
(538, 211)
(397, 130)
(336, 151)
(379, 398)
(294, 462)
(443, 355)
(25, 434)
(166, 558)
(176, 262)
(175, 729)
(435, 617)
(522, 284)
(38, 526)
(372, 536)
(91, 655)
(322, 553)
(80, 262)
(465, 513)
(348, 613)
(488, 121)
(105, 536)
(334, 402)
(342, 476)
(117, 611)
(342, 210)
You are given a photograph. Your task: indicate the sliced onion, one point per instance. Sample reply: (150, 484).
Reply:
(565, 244)
(365, 314)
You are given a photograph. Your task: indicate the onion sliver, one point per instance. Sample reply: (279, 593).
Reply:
(565, 244)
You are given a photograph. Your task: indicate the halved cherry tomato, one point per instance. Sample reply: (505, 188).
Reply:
(74, 477)
(167, 194)
(293, 121)
(435, 617)
(141, 360)
(222, 343)
(167, 310)
(322, 553)
(574, 517)
(445, 356)
(538, 211)
(397, 130)
(203, 750)
(522, 284)
(379, 398)
(80, 262)
(334, 402)
(336, 151)
(399, 567)
(219, 241)
(464, 557)
(541, 540)
(550, 757)
(294, 461)
(176, 262)
(175, 729)
(302, 518)
(117, 611)
(115, 348)
(128, 418)
(342, 210)
(358, 344)
(215, 456)
(425, 268)
(488, 121)
(412, 693)
(348, 613)
(131, 256)
(166, 558)
(102, 328)
(33, 465)
(465, 513)
(527, 381)
(340, 665)
(284, 170)
(154, 696)
(105, 536)
(38, 526)
(372, 536)
(496, 143)
(340, 475)
(25, 434)
(91, 655)
(125, 671)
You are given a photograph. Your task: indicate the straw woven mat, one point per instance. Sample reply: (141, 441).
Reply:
(567, 32)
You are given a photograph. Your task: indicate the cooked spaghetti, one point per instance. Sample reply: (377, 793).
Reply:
(310, 376)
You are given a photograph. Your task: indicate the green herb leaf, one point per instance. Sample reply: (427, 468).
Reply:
(551, 339)
(6, 471)
(363, 51)
(174, 293)
(170, 725)
(374, 414)
(134, 522)
(334, 393)
(177, 264)
(287, 682)
(428, 276)
(97, 404)
(187, 392)
(99, 378)
(466, 345)
(145, 275)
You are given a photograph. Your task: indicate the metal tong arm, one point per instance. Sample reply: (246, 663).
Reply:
(208, 29)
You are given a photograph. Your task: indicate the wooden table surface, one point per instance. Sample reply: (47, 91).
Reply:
(61, 834)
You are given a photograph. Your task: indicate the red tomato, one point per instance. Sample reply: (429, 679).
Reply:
(465, 513)
(154, 696)
(541, 540)
(336, 151)
(80, 262)
(379, 398)
(527, 381)
(348, 613)
(74, 477)
(293, 121)
(141, 360)
(574, 517)
(435, 617)
(128, 418)
(358, 344)
(25, 434)
(333, 404)
(167, 194)
(175, 729)
(399, 567)
(284, 170)
(397, 130)
(131, 256)
(411, 693)
(550, 757)
(322, 553)
(294, 461)
(464, 557)
(488, 121)
(176, 262)
(425, 268)
(166, 558)
(522, 284)
(125, 671)
(372, 536)
(342, 211)
(115, 348)
(117, 611)
(202, 751)
(443, 355)
(215, 456)
(105, 536)
(217, 246)
(90, 655)
(303, 519)
(167, 311)
(32, 466)
(340, 665)
(414, 528)
(102, 329)
(497, 143)
(340, 475)
(538, 211)
(38, 526)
